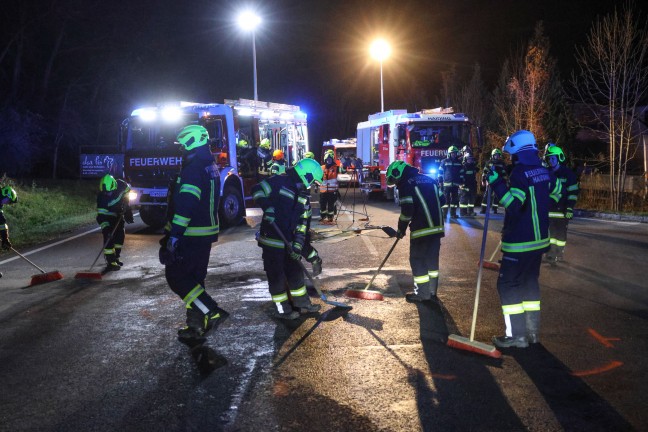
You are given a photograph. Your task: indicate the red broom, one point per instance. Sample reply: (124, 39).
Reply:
(42, 278)
(463, 343)
(490, 264)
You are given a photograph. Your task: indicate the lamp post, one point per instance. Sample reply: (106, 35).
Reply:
(380, 50)
(249, 21)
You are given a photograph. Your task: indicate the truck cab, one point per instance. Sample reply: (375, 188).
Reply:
(152, 158)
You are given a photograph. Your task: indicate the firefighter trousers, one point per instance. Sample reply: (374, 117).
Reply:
(557, 236)
(282, 271)
(327, 205)
(519, 290)
(424, 261)
(451, 194)
(113, 242)
(467, 200)
(186, 275)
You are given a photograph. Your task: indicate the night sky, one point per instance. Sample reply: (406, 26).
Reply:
(315, 53)
(122, 54)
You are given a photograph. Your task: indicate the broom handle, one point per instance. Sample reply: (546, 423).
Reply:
(495, 251)
(381, 264)
(27, 259)
(481, 263)
(106, 242)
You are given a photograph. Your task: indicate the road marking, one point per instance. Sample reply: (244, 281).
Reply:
(54, 244)
(612, 221)
(612, 365)
(605, 341)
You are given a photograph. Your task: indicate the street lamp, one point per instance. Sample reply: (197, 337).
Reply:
(380, 50)
(249, 21)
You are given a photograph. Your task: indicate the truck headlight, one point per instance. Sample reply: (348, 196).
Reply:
(132, 196)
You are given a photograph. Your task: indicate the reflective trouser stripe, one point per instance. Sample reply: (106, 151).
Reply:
(193, 294)
(557, 242)
(434, 274)
(278, 298)
(513, 309)
(531, 305)
(299, 292)
(421, 279)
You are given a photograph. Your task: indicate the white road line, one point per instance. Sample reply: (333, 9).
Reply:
(54, 244)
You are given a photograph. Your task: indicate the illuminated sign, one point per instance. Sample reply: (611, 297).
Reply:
(154, 162)
(97, 165)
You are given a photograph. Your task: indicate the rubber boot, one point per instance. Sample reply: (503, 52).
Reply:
(510, 342)
(560, 253)
(285, 311)
(421, 293)
(550, 256)
(111, 263)
(483, 210)
(533, 326)
(453, 213)
(192, 333)
(303, 305)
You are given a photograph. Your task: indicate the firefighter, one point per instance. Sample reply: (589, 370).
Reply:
(246, 157)
(561, 212)
(451, 176)
(329, 188)
(465, 152)
(309, 155)
(264, 154)
(421, 211)
(525, 237)
(495, 163)
(190, 232)
(285, 207)
(469, 188)
(278, 165)
(113, 210)
(7, 196)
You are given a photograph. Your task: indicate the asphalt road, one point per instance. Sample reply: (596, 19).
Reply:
(78, 355)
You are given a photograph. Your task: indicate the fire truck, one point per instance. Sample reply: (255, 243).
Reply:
(236, 128)
(421, 139)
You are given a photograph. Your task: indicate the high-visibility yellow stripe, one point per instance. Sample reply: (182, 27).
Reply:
(531, 305)
(513, 309)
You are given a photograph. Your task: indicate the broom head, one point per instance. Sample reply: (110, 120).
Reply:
(45, 277)
(363, 294)
(489, 265)
(88, 275)
(463, 343)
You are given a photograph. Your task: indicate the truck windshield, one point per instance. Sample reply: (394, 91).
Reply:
(143, 136)
(439, 135)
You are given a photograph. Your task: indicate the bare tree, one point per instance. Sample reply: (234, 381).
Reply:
(612, 80)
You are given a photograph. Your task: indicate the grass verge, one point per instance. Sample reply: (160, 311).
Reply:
(49, 209)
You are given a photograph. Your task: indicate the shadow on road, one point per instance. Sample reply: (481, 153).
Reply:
(574, 404)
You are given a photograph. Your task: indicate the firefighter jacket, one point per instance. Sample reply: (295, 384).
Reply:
(420, 205)
(330, 181)
(278, 167)
(113, 204)
(527, 201)
(451, 172)
(470, 175)
(3, 221)
(495, 165)
(195, 197)
(569, 193)
(281, 202)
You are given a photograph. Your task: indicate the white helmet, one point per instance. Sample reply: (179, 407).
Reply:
(520, 141)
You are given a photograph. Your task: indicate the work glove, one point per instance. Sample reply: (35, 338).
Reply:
(317, 266)
(128, 217)
(269, 216)
(569, 214)
(294, 255)
(172, 245)
(492, 177)
(400, 234)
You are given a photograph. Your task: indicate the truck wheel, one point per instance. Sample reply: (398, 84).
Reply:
(153, 216)
(232, 208)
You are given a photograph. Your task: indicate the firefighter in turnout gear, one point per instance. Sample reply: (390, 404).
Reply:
(421, 211)
(495, 164)
(112, 211)
(7, 196)
(525, 237)
(329, 188)
(451, 176)
(278, 165)
(286, 208)
(469, 187)
(190, 232)
(561, 212)
(264, 154)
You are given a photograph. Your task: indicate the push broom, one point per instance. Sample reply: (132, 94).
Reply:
(461, 342)
(42, 278)
(95, 275)
(490, 264)
(309, 276)
(366, 293)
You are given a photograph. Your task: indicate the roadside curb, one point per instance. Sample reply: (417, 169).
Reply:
(610, 216)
